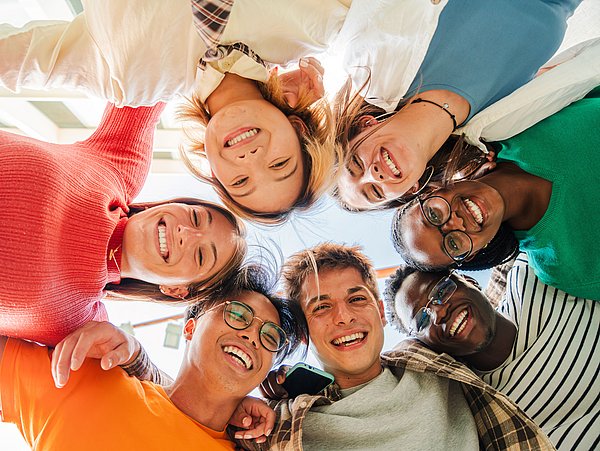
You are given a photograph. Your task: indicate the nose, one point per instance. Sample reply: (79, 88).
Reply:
(247, 152)
(376, 172)
(249, 336)
(343, 315)
(454, 223)
(186, 234)
(439, 312)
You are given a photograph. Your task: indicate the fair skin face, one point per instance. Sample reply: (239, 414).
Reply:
(479, 208)
(465, 326)
(390, 162)
(253, 149)
(173, 245)
(345, 325)
(211, 382)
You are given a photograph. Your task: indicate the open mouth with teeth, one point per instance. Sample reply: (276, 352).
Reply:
(390, 163)
(162, 240)
(239, 356)
(241, 136)
(459, 323)
(474, 210)
(349, 340)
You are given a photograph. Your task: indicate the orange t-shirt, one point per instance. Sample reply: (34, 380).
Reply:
(96, 410)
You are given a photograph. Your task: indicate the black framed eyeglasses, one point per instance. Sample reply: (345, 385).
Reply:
(441, 293)
(239, 316)
(456, 243)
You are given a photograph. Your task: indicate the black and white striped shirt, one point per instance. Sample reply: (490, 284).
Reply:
(552, 372)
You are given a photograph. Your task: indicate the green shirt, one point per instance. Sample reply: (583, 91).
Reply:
(564, 246)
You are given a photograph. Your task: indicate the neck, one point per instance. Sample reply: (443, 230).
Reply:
(525, 210)
(232, 88)
(439, 124)
(204, 404)
(345, 380)
(499, 348)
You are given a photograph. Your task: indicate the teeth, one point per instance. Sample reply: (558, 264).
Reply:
(244, 358)
(348, 339)
(242, 136)
(390, 163)
(474, 210)
(459, 323)
(162, 240)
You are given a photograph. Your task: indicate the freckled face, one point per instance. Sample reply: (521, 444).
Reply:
(254, 151)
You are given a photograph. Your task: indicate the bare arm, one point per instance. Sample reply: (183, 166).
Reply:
(143, 368)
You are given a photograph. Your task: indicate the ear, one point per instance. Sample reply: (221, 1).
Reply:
(298, 124)
(381, 311)
(189, 328)
(367, 121)
(174, 291)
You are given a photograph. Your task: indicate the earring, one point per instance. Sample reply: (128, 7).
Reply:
(431, 170)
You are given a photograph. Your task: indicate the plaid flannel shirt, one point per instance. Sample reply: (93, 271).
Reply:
(501, 425)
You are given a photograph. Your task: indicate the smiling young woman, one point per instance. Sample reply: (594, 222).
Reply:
(70, 235)
(549, 219)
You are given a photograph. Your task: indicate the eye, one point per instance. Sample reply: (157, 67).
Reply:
(280, 164)
(377, 193)
(320, 308)
(433, 216)
(271, 336)
(357, 163)
(194, 217)
(423, 320)
(453, 244)
(355, 299)
(239, 182)
(237, 317)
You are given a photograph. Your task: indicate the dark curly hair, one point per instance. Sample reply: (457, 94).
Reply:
(392, 286)
(502, 248)
(258, 279)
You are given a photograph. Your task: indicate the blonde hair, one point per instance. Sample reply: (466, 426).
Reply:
(319, 152)
(138, 290)
(301, 265)
(454, 160)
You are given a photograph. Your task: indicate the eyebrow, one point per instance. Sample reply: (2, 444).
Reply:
(325, 297)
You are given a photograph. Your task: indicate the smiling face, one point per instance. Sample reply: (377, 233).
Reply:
(387, 164)
(477, 210)
(462, 326)
(254, 152)
(175, 244)
(345, 324)
(232, 361)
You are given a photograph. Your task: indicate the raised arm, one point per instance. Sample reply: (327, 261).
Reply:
(104, 341)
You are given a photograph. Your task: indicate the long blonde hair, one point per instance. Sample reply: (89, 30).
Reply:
(319, 152)
(138, 290)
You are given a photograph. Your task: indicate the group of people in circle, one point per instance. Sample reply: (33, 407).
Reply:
(447, 116)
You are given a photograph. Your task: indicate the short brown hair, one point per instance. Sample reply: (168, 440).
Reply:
(328, 255)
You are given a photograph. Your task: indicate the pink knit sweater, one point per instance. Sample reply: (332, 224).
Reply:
(60, 207)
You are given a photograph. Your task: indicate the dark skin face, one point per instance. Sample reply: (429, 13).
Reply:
(444, 333)
(477, 210)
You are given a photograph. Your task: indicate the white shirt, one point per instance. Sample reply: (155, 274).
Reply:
(552, 371)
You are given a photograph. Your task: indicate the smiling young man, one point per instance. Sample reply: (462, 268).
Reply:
(231, 342)
(409, 398)
(538, 347)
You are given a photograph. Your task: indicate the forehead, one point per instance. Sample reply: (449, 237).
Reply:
(423, 240)
(261, 305)
(331, 282)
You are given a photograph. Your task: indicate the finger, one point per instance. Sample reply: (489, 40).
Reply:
(312, 61)
(62, 358)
